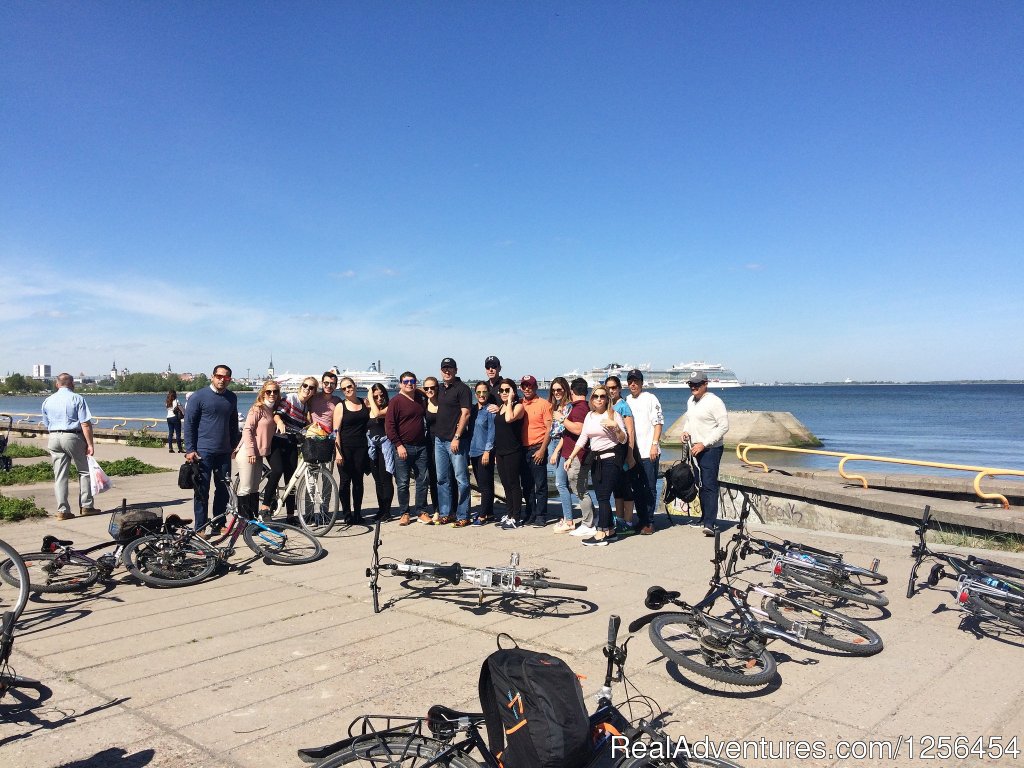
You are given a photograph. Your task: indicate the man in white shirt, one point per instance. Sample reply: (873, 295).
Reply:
(705, 424)
(648, 422)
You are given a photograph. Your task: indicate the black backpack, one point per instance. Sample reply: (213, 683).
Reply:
(533, 705)
(680, 483)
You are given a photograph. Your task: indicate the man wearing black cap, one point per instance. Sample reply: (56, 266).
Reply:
(492, 365)
(454, 400)
(648, 421)
(705, 424)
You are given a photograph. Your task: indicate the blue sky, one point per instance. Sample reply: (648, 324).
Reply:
(802, 191)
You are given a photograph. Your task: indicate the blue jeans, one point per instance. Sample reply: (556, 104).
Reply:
(209, 463)
(709, 461)
(459, 462)
(561, 483)
(535, 486)
(416, 459)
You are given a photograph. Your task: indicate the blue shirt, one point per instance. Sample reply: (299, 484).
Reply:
(65, 410)
(622, 408)
(211, 422)
(483, 431)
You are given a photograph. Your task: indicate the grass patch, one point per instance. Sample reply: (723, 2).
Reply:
(144, 440)
(22, 451)
(19, 509)
(961, 537)
(42, 472)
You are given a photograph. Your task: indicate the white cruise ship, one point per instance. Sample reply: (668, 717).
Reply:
(290, 382)
(675, 377)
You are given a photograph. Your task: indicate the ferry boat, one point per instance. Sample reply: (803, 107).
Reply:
(289, 382)
(675, 377)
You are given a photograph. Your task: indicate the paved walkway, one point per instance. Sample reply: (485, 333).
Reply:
(245, 668)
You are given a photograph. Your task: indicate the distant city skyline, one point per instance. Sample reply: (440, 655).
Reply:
(799, 191)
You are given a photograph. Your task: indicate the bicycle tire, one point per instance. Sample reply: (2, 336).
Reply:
(683, 639)
(676, 762)
(317, 506)
(167, 561)
(1011, 613)
(289, 546)
(849, 590)
(47, 574)
(824, 626)
(995, 569)
(394, 751)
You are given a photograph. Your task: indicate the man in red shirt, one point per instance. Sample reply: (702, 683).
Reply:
(534, 471)
(407, 431)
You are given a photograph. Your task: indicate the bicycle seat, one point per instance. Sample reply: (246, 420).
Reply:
(50, 543)
(173, 522)
(440, 717)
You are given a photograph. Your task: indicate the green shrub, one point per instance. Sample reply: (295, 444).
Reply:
(19, 509)
(22, 451)
(144, 440)
(130, 466)
(42, 472)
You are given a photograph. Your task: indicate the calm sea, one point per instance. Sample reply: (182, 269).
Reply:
(979, 424)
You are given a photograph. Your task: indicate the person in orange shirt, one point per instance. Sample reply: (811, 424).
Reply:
(534, 471)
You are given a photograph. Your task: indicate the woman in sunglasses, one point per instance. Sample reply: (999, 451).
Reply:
(508, 451)
(291, 417)
(603, 431)
(481, 452)
(381, 451)
(430, 387)
(257, 437)
(351, 419)
(561, 405)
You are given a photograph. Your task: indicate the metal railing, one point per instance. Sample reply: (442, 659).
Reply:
(35, 420)
(743, 449)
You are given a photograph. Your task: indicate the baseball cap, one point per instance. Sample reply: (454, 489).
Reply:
(492, 362)
(528, 381)
(635, 375)
(698, 378)
(448, 362)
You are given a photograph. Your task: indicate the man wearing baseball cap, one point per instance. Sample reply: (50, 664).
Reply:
(454, 399)
(492, 365)
(536, 435)
(705, 424)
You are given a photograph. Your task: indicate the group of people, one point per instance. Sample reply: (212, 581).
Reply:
(432, 433)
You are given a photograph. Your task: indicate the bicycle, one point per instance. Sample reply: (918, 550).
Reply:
(502, 579)
(180, 556)
(59, 568)
(317, 499)
(984, 586)
(8, 678)
(448, 737)
(810, 567)
(735, 650)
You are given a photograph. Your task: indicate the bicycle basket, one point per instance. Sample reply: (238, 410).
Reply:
(317, 450)
(132, 523)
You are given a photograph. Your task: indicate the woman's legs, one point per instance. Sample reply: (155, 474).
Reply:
(352, 471)
(284, 458)
(171, 424)
(606, 474)
(383, 483)
(508, 471)
(484, 474)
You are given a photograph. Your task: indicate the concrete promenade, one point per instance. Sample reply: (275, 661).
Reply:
(243, 669)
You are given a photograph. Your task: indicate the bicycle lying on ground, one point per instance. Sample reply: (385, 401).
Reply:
(58, 567)
(503, 579)
(984, 586)
(8, 678)
(180, 555)
(805, 567)
(734, 650)
(448, 737)
(313, 485)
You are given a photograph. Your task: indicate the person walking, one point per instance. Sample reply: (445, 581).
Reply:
(648, 421)
(536, 435)
(451, 446)
(405, 426)
(481, 452)
(175, 416)
(67, 418)
(211, 434)
(705, 424)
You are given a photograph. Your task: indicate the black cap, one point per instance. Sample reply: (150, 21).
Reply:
(697, 378)
(492, 362)
(448, 363)
(635, 375)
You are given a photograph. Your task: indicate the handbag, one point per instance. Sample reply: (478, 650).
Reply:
(187, 476)
(178, 412)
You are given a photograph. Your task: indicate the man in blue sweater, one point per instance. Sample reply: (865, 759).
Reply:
(211, 434)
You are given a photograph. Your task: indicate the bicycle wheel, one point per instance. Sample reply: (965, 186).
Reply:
(713, 648)
(680, 761)
(167, 561)
(50, 572)
(1007, 610)
(316, 500)
(849, 590)
(282, 543)
(394, 751)
(825, 627)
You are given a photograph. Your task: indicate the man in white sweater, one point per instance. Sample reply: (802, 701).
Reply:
(705, 424)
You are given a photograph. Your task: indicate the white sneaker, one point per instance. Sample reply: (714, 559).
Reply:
(584, 530)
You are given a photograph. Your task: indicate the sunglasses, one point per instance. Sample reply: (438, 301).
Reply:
(430, 389)
(613, 387)
(348, 387)
(308, 386)
(557, 390)
(408, 381)
(330, 383)
(504, 390)
(222, 376)
(482, 393)
(696, 386)
(599, 397)
(271, 391)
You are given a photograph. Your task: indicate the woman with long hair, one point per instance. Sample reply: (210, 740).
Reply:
(561, 405)
(255, 445)
(291, 417)
(603, 431)
(175, 415)
(351, 419)
(430, 389)
(481, 452)
(381, 451)
(508, 451)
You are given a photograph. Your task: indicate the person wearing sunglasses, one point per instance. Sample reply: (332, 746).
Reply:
(648, 421)
(508, 451)
(351, 419)
(451, 446)
(536, 436)
(705, 424)
(381, 456)
(481, 452)
(323, 403)
(492, 367)
(577, 474)
(405, 426)
(561, 405)
(291, 417)
(257, 438)
(431, 386)
(211, 434)
(603, 431)
(629, 477)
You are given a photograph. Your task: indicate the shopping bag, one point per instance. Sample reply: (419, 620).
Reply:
(98, 478)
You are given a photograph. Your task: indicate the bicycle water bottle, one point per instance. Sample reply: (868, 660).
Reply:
(995, 584)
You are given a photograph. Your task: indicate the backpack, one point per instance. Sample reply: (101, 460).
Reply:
(680, 483)
(534, 710)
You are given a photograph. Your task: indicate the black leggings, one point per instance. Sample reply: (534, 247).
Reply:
(484, 474)
(284, 456)
(351, 471)
(384, 483)
(605, 474)
(508, 471)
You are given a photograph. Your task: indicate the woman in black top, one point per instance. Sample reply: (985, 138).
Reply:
(430, 387)
(382, 452)
(508, 450)
(351, 418)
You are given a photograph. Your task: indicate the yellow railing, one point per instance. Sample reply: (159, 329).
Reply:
(743, 449)
(35, 420)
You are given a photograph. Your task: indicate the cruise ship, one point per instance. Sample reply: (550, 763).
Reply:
(290, 382)
(719, 377)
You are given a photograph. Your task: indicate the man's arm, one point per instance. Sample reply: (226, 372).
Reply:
(87, 434)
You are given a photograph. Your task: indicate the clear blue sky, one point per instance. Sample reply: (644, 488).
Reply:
(802, 191)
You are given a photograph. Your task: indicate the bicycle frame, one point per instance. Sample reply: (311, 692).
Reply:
(65, 553)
